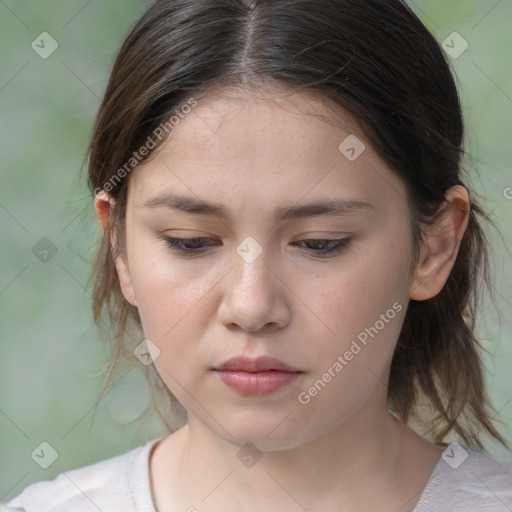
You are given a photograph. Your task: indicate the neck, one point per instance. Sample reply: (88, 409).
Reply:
(370, 446)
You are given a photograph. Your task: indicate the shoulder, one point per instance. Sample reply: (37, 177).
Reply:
(467, 480)
(100, 486)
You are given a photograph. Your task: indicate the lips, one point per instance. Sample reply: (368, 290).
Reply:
(260, 376)
(261, 364)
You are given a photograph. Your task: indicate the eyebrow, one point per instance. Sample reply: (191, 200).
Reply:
(336, 206)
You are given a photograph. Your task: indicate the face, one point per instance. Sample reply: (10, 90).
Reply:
(323, 290)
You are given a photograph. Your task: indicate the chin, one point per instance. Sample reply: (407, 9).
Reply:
(268, 433)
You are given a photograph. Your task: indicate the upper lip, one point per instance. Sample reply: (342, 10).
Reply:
(260, 364)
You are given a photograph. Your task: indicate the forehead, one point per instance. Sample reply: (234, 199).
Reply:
(229, 122)
(271, 143)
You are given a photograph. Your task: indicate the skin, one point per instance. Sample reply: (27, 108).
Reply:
(255, 154)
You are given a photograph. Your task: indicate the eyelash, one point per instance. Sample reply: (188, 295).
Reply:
(175, 244)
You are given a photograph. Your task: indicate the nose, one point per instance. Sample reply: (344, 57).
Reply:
(254, 295)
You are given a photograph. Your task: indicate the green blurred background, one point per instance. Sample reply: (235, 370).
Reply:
(51, 352)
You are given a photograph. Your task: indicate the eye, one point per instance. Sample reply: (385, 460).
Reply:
(185, 245)
(326, 246)
(321, 247)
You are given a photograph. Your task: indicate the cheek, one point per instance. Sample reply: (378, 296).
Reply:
(174, 307)
(363, 304)
(354, 296)
(366, 314)
(168, 312)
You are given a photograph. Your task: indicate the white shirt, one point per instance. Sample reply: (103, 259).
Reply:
(464, 480)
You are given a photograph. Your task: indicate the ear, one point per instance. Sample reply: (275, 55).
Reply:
(103, 204)
(442, 242)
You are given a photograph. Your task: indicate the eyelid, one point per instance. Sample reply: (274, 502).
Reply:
(340, 245)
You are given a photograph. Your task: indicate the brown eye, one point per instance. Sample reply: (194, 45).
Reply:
(186, 245)
(321, 247)
(318, 247)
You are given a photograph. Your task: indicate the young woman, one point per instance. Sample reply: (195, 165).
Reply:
(287, 229)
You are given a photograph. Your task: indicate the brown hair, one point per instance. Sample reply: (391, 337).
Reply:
(406, 104)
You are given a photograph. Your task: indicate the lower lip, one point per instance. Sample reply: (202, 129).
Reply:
(257, 383)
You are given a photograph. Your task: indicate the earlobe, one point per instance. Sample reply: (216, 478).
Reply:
(442, 242)
(125, 280)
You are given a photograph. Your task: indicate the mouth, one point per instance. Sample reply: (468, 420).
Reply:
(253, 377)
